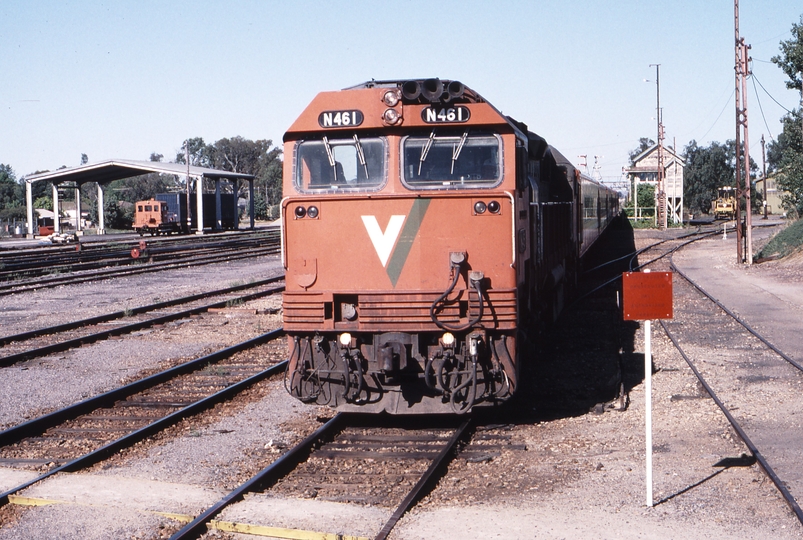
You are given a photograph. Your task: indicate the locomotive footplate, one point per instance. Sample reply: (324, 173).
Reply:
(402, 372)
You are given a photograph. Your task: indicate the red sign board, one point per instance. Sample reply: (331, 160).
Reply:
(646, 295)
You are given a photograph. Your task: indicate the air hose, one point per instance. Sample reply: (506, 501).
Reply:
(475, 280)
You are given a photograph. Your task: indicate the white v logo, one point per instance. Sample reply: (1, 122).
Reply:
(383, 241)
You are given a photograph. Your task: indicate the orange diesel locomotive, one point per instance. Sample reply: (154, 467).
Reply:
(421, 229)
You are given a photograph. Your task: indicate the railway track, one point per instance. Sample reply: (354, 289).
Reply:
(381, 462)
(39, 274)
(734, 363)
(78, 436)
(45, 341)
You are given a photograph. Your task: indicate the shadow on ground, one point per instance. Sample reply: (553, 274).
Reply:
(587, 358)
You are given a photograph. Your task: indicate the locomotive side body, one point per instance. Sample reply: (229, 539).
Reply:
(413, 217)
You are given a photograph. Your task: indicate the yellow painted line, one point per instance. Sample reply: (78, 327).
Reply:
(279, 532)
(31, 501)
(181, 518)
(226, 526)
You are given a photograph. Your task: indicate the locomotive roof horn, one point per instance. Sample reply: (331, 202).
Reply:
(411, 90)
(431, 90)
(456, 89)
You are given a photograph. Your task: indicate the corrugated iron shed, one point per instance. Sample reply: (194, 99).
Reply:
(117, 169)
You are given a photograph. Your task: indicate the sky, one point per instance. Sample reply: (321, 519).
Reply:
(123, 79)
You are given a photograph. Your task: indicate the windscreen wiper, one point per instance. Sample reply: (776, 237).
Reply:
(331, 157)
(456, 151)
(361, 155)
(425, 151)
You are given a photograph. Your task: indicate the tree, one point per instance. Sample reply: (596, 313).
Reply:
(791, 58)
(644, 144)
(707, 169)
(44, 203)
(250, 157)
(198, 152)
(787, 154)
(11, 192)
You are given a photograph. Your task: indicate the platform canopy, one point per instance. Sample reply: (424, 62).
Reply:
(116, 169)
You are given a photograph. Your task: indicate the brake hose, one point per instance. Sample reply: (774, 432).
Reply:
(476, 284)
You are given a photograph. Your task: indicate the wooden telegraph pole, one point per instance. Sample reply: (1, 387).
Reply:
(743, 234)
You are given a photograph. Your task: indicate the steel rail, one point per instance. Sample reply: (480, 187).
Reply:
(13, 288)
(263, 479)
(640, 251)
(765, 466)
(85, 252)
(23, 336)
(738, 319)
(132, 438)
(38, 425)
(436, 467)
(126, 329)
(618, 277)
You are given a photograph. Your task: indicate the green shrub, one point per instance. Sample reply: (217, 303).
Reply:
(783, 243)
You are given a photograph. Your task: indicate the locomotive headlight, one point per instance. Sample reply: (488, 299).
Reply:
(344, 339)
(494, 207)
(448, 339)
(391, 116)
(479, 207)
(312, 212)
(391, 98)
(300, 212)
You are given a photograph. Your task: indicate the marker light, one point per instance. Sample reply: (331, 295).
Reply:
(345, 339)
(391, 98)
(479, 207)
(300, 212)
(391, 116)
(448, 339)
(312, 212)
(494, 207)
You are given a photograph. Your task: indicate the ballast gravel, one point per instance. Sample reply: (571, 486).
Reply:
(577, 470)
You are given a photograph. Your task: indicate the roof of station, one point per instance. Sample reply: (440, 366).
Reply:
(117, 169)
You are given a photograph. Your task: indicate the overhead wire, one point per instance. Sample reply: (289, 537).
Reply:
(718, 116)
(770, 95)
(760, 108)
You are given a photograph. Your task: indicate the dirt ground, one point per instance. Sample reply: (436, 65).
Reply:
(575, 468)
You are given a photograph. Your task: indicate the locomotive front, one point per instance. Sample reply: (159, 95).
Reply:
(399, 243)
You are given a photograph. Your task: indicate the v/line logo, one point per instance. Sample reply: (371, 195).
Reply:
(394, 243)
(383, 241)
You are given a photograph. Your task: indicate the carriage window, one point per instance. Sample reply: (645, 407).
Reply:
(140, 208)
(331, 164)
(147, 208)
(452, 160)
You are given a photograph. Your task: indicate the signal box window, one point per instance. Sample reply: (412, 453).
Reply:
(341, 164)
(452, 160)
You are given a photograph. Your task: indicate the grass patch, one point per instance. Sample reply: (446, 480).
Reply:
(784, 243)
